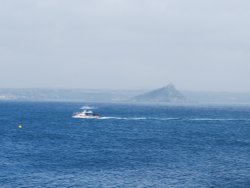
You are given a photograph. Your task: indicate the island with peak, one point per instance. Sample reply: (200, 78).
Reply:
(167, 94)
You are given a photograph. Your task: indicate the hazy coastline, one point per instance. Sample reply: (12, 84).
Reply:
(120, 96)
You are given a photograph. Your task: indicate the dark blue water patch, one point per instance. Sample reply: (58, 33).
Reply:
(133, 146)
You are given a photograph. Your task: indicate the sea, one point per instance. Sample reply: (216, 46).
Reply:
(41, 146)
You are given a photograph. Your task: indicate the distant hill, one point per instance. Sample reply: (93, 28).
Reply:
(167, 94)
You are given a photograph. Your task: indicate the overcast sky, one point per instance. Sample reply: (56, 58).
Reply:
(125, 44)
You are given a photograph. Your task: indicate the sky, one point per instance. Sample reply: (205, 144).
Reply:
(125, 44)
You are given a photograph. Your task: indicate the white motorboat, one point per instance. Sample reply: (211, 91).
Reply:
(86, 113)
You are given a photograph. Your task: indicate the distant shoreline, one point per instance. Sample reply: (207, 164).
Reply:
(120, 96)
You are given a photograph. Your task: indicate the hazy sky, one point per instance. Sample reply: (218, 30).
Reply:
(125, 44)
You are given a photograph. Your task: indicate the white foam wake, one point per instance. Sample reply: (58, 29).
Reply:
(139, 118)
(125, 118)
(217, 119)
(172, 119)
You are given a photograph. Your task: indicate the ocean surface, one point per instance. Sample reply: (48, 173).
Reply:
(130, 146)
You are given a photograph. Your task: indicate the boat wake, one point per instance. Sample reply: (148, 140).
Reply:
(217, 119)
(171, 119)
(139, 118)
(125, 118)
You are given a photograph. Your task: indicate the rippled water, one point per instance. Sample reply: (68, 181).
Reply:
(130, 146)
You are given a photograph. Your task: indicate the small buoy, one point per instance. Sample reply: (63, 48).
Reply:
(20, 126)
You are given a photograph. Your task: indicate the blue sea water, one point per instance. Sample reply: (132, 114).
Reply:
(130, 146)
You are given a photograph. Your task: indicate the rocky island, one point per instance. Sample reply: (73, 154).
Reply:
(167, 94)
